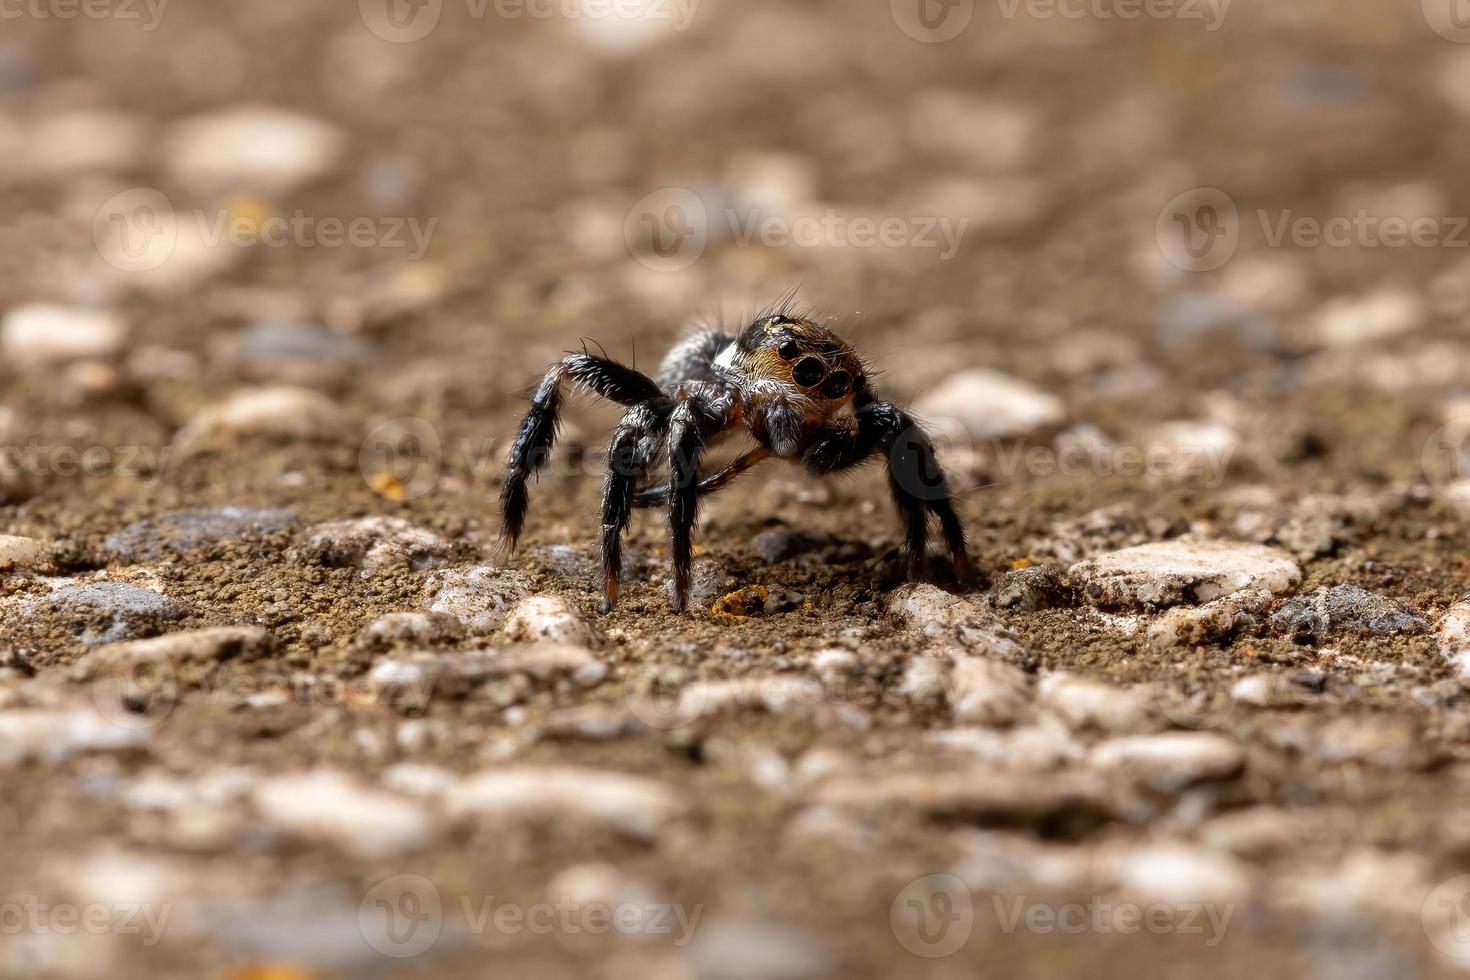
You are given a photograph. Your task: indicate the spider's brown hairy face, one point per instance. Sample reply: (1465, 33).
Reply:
(805, 359)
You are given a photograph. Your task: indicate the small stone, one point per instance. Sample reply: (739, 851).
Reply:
(184, 531)
(924, 680)
(1066, 804)
(252, 147)
(416, 779)
(19, 554)
(1035, 747)
(284, 413)
(988, 692)
(944, 616)
(834, 664)
(412, 628)
(128, 609)
(984, 133)
(631, 805)
(1087, 704)
(67, 143)
(53, 736)
(1314, 616)
(1031, 590)
(1171, 573)
(193, 647)
(273, 342)
(747, 950)
(1377, 316)
(783, 544)
(1178, 873)
(46, 334)
(375, 545)
(1171, 761)
(1191, 449)
(548, 618)
(990, 405)
(332, 808)
(1454, 636)
(480, 596)
(1213, 622)
(1257, 833)
(708, 581)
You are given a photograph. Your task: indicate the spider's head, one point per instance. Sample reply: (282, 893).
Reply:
(803, 360)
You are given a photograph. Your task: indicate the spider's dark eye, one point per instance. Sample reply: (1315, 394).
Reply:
(789, 350)
(838, 385)
(808, 372)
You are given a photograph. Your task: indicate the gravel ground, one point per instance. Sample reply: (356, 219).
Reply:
(1178, 287)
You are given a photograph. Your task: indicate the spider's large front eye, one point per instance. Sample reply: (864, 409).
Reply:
(808, 372)
(789, 350)
(839, 383)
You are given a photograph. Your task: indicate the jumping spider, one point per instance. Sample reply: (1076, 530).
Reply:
(784, 379)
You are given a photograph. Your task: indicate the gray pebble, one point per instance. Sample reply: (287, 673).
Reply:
(184, 531)
(1345, 608)
(132, 610)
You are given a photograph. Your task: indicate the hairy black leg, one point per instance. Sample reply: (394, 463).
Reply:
(686, 445)
(915, 478)
(532, 447)
(634, 447)
(658, 496)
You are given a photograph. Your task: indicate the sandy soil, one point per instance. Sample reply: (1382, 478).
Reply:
(216, 415)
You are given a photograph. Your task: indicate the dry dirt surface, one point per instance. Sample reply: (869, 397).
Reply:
(1180, 287)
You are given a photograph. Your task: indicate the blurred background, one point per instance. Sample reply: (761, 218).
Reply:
(1149, 267)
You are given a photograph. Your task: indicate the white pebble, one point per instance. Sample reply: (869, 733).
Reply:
(988, 692)
(283, 412)
(43, 333)
(547, 618)
(1376, 316)
(1171, 573)
(990, 405)
(1179, 874)
(1171, 761)
(1088, 704)
(252, 147)
(329, 807)
(18, 553)
(630, 805)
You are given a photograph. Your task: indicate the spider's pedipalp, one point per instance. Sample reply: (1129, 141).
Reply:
(537, 433)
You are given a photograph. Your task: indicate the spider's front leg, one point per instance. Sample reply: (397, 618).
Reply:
(630, 456)
(532, 447)
(692, 423)
(915, 478)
